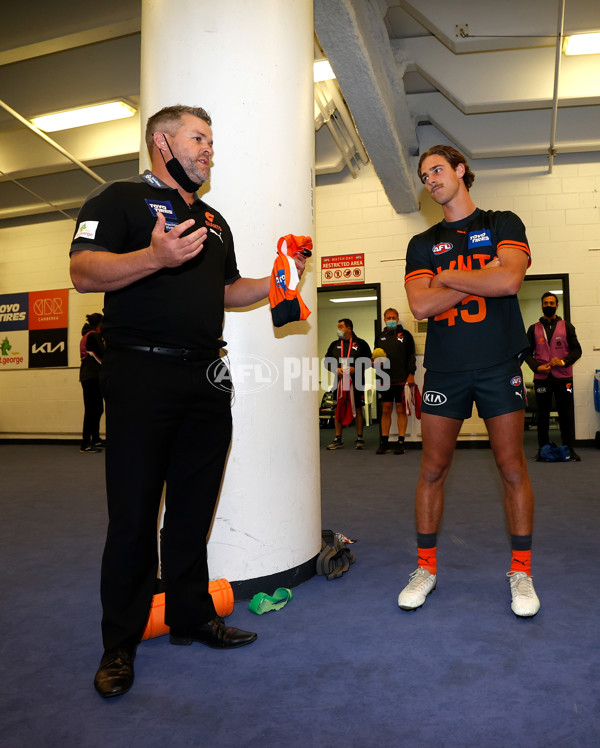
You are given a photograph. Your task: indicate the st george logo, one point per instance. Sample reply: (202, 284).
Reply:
(431, 397)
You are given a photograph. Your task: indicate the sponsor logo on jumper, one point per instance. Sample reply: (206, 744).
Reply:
(480, 238)
(216, 233)
(158, 207)
(280, 280)
(210, 221)
(442, 247)
(400, 337)
(519, 394)
(466, 263)
(86, 230)
(540, 390)
(151, 179)
(516, 381)
(431, 397)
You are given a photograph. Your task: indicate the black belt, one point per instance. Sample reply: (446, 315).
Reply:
(185, 354)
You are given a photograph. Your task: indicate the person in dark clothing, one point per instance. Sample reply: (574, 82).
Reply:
(166, 262)
(348, 357)
(399, 347)
(555, 349)
(91, 351)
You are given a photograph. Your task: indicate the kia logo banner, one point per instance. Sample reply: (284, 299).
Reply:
(33, 329)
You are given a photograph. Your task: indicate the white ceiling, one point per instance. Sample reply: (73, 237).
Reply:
(476, 73)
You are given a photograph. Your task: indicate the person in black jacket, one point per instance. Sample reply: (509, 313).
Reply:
(91, 351)
(399, 346)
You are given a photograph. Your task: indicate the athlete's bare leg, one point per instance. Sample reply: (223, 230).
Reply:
(402, 419)
(506, 440)
(386, 418)
(439, 441)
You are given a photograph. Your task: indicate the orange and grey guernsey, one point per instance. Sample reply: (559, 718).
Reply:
(479, 331)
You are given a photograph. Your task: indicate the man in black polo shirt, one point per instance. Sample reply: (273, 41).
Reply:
(166, 262)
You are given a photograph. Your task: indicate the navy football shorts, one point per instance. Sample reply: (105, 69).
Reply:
(495, 391)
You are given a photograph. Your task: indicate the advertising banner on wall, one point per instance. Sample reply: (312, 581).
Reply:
(33, 329)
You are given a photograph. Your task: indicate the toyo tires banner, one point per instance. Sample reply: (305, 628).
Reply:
(33, 329)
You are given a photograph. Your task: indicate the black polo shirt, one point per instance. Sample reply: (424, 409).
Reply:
(179, 307)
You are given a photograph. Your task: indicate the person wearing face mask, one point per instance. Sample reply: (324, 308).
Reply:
(399, 346)
(166, 262)
(555, 349)
(348, 356)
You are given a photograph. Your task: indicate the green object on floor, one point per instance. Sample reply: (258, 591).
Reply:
(263, 603)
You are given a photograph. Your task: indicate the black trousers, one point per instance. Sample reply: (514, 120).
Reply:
(562, 389)
(166, 422)
(93, 405)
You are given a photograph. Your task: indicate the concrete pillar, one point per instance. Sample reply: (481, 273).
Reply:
(249, 64)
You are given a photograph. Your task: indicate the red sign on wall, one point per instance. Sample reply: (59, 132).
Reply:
(48, 310)
(342, 270)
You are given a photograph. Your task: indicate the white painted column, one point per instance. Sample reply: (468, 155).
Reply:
(249, 64)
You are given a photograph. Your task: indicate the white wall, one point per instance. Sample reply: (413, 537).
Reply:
(561, 212)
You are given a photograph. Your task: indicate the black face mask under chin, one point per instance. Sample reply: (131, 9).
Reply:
(177, 171)
(549, 311)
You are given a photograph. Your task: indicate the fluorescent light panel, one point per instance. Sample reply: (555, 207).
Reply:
(349, 299)
(89, 115)
(322, 71)
(582, 44)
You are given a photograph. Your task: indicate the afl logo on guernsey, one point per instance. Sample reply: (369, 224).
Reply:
(516, 381)
(442, 247)
(482, 238)
(431, 397)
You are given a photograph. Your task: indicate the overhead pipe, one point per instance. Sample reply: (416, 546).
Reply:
(559, 38)
(53, 143)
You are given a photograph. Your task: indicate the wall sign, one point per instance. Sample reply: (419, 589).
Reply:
(342, 270)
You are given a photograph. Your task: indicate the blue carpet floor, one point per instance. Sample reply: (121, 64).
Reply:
(340, 665)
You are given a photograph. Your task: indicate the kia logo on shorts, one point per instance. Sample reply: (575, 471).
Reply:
(431, 397)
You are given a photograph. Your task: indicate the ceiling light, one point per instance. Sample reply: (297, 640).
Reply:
(582, 44)
(322, 71)
(558, 290)
(88, 115)
(348, 299)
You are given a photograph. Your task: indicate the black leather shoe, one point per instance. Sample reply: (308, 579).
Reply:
(115, 674)
(214, 634)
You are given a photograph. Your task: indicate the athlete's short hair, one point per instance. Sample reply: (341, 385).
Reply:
(347, 322)
(391, 309)
(168, 120)
(94, 319)
(549, 293)
(453, 157)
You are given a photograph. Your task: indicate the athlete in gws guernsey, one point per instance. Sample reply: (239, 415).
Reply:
(463, 275)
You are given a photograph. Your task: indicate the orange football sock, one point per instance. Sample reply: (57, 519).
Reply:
(521, 561)
(427, 559)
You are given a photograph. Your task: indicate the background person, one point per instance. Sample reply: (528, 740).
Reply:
(555, 349)
(346, 351)
(91, 351)
(463, 274)
(167, 264)
(399, 347)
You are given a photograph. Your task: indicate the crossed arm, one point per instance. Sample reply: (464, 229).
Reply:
(502, 276)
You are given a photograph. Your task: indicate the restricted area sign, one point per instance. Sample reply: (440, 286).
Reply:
(342, 270)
